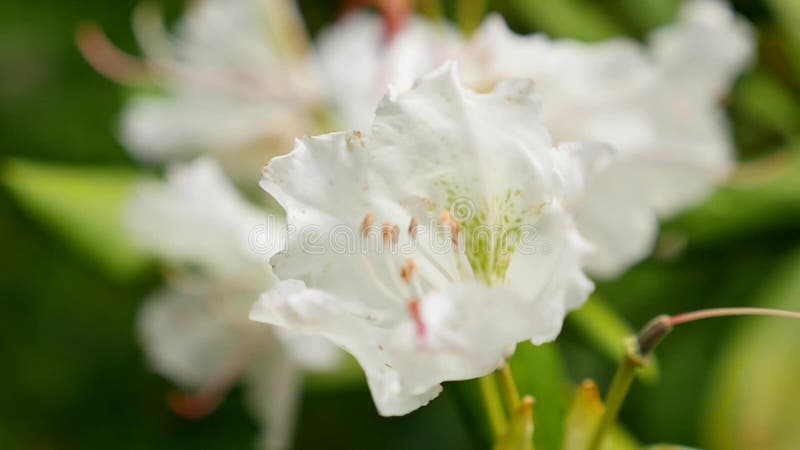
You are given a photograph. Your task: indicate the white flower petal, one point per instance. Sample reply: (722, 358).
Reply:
(273, 390)
(183, 125)
(230, 85)
(403, 372)
(617, 220)
(198, 218)
(306, 351)
(189, 335)
(436, 152)
(376, 347)
(704, 52)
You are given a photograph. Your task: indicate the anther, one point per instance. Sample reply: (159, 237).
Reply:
(407, 270)
(455, 235)
(368, 221)
(390, 233)
(452, 225)
(413, 228)
(357, 134)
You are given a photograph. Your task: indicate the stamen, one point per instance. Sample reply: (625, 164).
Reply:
(354, 135)
(421, 284)
(407, 270)
(391, 267)
(413, 228)
(357, 134)
(367, 223)
(452, 225)
(107, 59)
(209, 397)
(455, 236)
(376, 279)
(459, 258)
(407, 273)
(390, 233)
(436, 264)
(387, 232)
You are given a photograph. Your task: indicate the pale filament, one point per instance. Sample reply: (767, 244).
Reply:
(407, 282)
(377, 280)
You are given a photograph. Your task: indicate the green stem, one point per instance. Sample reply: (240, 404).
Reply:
(505, 378)
(638, 348)
(617, 392)
(431, 9)
(493, 405)
(469, 15)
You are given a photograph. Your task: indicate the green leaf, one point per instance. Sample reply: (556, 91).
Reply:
(606, 331)
(579, 19)
(621, 439)
(432, 9)
(347, 374)
(539, 371)
(787, 14)
(469, 15)
(746, 207)
(667, 447)
(644, 15)
(82, 204)
(753, 401)
(467, 397)
(763, 98)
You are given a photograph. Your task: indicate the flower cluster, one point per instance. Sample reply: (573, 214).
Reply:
(581, 148)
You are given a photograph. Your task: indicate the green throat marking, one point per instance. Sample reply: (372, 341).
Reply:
(491, 230)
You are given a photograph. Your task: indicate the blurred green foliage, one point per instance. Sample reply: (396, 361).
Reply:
(73, 375)
(754, 402)
(84, 205)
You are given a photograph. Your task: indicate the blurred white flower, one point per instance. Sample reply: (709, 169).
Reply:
(440, 165)
(235, 80)
(357, 61)
(195, 330)
(239, 81)
(658, 105)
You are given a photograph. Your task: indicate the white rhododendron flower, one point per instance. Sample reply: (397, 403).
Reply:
(195, 330)
(235, 81)
(431, 244)
(658, 105)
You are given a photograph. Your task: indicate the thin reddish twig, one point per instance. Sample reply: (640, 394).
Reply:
(723, 312)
